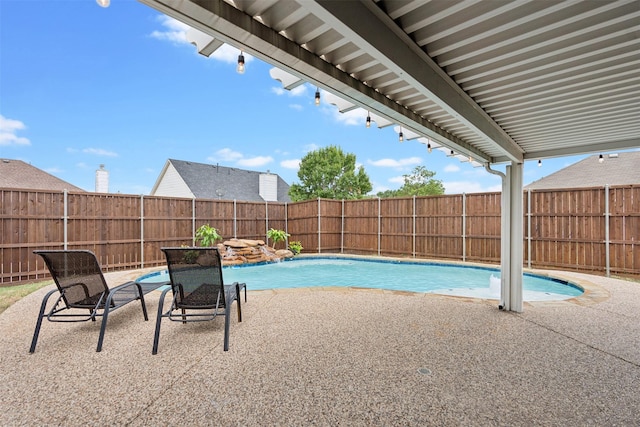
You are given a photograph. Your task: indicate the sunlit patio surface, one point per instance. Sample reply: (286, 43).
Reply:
(329, 357)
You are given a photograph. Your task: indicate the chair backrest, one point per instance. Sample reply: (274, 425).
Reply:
(196, 276)
(77, 274)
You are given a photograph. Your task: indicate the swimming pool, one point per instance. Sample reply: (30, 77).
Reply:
(459, 280)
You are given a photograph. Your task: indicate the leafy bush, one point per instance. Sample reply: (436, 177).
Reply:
(206, 235)
(277, 236)
(295, 246)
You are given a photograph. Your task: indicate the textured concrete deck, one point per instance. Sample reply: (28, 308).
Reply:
(330, 357)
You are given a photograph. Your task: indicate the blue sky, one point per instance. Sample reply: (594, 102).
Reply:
(82, 85)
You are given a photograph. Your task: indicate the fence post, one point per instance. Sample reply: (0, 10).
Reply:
(413, 232)
(65, 217)
(528, 228)
(464, 227)
(266, 220)
(342, 229)
(607, 215)
(141, 231)
(286, 221)
(379, 225)
(319, 218)
(235, 219)
(193, 221)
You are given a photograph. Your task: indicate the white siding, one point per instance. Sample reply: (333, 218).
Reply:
(269, 187)
(172, 185)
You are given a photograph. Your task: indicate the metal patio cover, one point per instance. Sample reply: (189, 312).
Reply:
(496, 80)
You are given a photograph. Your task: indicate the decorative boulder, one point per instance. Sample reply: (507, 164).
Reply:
(246, 251)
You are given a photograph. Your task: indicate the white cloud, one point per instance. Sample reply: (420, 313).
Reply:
(452, 168)
(8, 130)
(458, 187)
(297, 107)
(99, 152)
(397, 179)
(229, 54)
(310, 147)
(290, 164)
(255, 161)
(378, 188)
(230, 156)
(355, 117)
(392, 163)
(173, 31)
(226, 155)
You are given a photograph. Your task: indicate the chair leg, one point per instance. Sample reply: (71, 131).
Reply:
(227, 318)
(43, 306)
(144, 306)
(103, 325)
(156, 336)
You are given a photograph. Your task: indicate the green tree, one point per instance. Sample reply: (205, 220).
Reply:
(419, 182)
(330, 173)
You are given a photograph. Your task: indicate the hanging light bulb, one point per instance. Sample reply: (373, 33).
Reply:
(539, 163)
(368, 122)
(452, 153)
(103, 3)
(428, 146)
(240, 67)
(317, 97)
(400, 136)
(601, 159)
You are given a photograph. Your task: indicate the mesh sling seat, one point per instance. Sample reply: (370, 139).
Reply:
(199, 293)
(83, 291)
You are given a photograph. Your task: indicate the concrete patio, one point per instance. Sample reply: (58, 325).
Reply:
(329, 357)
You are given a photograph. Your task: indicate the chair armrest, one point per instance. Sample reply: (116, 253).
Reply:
(125, 287)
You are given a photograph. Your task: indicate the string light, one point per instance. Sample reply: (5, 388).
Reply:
(400, 135)
(539, 163)
(317, 97)
(240, 67)
(601, 159)
(428, 146)
(368, 122)
(103, 3)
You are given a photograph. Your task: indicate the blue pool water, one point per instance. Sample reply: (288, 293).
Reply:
(478, 282)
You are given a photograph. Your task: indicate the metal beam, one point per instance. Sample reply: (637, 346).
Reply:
(600, 147)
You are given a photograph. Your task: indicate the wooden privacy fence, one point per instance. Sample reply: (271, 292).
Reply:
(590, 229)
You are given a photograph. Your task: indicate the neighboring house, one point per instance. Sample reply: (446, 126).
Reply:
(18, 174)
(180, 178)
(614, 169)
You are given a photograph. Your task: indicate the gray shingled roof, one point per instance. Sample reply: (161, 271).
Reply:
(616, 169)
(206, 180)
(18, 174)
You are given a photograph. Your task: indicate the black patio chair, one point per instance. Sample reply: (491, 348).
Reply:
(199, 293)
(82, 287)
